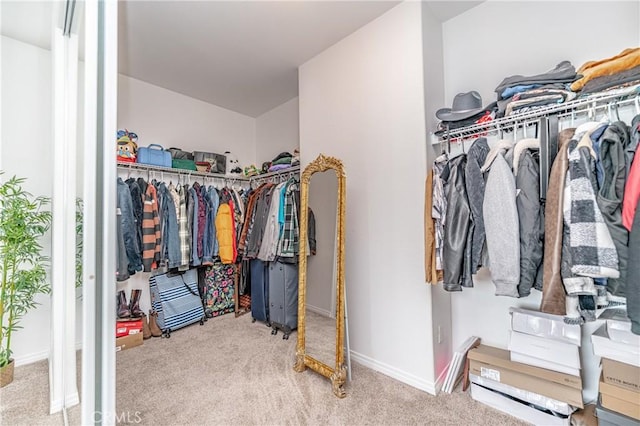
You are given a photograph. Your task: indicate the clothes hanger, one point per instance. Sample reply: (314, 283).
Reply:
(592, 112)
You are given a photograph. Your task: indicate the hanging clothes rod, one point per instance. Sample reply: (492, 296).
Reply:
(288, 172)
(589, 105)
(182, 172)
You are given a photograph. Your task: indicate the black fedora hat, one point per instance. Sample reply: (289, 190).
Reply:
(465, 105)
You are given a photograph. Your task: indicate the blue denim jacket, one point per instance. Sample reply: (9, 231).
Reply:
(129, 228)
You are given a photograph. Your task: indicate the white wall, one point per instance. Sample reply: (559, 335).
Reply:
(498, 39)
(277, 131)
(27, 141)
(434, 98)
(362, 101)
(170, 119)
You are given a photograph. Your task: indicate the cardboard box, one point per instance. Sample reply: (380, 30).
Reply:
(554, 351)
(620, 400)
(620, 406)
(607, 417)
(501, 358)
(128, 342)
(125, 327)
(543, 363)
(533, 384)
(617, 351)
(523, 395)
(545, 325)
(620, 374)
(515, 408)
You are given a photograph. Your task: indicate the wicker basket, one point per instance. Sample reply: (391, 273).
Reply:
(6, 374)
(203, 166)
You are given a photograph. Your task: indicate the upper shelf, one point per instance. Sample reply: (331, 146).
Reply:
(589, 104)
(148, 167)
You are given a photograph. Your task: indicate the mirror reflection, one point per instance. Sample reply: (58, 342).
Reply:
(321, 268)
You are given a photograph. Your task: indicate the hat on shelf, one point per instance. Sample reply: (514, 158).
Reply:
(465, 105)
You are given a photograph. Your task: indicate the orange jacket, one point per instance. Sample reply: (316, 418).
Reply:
(225, 234)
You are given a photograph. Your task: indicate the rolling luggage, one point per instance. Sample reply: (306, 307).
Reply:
(283, 297)
(259, 291)
(217, 287)
(176, 300)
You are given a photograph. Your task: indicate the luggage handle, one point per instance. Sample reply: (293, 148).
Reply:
(156, 145)
(187, 286)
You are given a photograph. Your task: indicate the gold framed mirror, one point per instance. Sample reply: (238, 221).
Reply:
(318, 355)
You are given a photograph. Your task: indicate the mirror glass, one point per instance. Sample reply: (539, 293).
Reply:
(320, 305)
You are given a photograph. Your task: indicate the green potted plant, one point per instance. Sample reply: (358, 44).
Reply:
(23, 221)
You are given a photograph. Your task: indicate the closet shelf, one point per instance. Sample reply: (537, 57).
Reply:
(148, 167)
(577, 106)
(290, 170)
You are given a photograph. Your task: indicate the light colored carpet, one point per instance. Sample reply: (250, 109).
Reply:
(232, 371)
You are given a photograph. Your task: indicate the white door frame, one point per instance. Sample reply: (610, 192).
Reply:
(63, 390)
(99, 266)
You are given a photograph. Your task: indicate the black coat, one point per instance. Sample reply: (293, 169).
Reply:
(531, 219)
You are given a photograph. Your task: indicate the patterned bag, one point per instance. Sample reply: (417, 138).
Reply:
(217, 287)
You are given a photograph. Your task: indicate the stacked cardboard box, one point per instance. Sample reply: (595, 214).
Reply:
(538, 379)
(619, 349)
(533, 394)
(128, 333)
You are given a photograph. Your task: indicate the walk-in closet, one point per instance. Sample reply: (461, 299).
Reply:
(312, 212)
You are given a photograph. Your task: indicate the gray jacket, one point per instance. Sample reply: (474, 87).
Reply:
(254, 239)
(501, 222)
(612, 158)
(526, 168)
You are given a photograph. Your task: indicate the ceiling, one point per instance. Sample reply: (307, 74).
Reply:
(242, 56)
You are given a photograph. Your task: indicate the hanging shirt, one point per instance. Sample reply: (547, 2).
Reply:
(269, 245)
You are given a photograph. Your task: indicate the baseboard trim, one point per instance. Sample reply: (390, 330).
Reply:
(31, 358)
(395, 373)
(38, 356)
(320, 311)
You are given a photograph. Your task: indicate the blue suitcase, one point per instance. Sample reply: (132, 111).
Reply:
(176, 299)
(154, 155)
(259, 290)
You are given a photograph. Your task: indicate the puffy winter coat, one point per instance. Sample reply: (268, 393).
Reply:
(224, 234)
